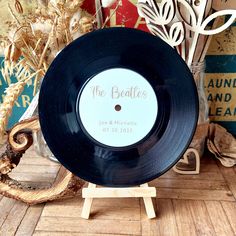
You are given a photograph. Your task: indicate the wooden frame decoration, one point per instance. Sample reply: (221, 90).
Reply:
(181, 22)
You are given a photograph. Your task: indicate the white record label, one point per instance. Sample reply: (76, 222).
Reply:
(118, 107)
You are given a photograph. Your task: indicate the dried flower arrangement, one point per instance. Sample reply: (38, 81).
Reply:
(31, 45)
(33, 42)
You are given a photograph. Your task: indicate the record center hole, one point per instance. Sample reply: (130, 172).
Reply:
(117, 107)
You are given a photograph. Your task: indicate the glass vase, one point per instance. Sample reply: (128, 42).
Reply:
(199, 139)
(40, 144)
(198, 71)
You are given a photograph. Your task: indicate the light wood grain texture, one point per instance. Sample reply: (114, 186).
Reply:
(230, 211)
(29, 221)
(53, 233)
(219, 219)
(5, 207)
(203, 176)
(166, 217)
(193, 194)
(13, 219)
(184, 220)
(201, 218)
(209, 167)
(230, 177)
(115, 212)
(109, 202)
(202, 204)
(149, 226)
(62, 224)
(122, 202)
(189, 184)
(119, 192)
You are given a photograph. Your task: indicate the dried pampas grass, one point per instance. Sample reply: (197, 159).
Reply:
(35, 39)
(33, 42)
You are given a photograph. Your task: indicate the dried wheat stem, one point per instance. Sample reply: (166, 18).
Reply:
(7, 106)
(35, 85)
(31, 55)
(45, 66)
(29, 62)
(37, 44)
(47, 45)
(6, 72)
(67, 38)
(41, 60)
(20, 63)
(40, 64)
(13, 15)
(17, 30)
(12, 65)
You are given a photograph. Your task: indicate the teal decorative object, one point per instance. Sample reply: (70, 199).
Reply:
(23, 101)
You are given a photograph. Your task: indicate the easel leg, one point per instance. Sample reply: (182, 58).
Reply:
(87, 204)
(148, 205)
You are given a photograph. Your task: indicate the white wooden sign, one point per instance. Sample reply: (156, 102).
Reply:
(181, 22)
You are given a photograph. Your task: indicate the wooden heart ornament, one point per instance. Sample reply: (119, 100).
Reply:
(189, 164)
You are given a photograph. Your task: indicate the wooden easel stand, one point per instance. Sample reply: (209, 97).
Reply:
(143, 191)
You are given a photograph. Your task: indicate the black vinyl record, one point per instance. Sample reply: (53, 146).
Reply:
(118, 107)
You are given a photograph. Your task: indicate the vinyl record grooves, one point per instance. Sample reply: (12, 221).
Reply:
(118, 107)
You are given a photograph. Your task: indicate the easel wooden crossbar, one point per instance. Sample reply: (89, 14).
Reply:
(143, 191)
